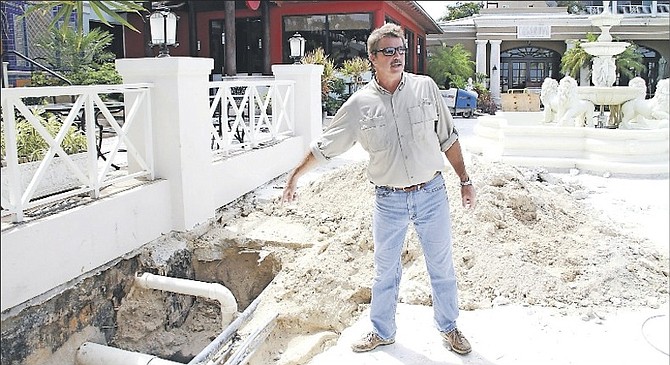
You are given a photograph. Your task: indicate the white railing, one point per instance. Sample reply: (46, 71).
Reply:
(246, 114)
(631, 9)
(86, 109)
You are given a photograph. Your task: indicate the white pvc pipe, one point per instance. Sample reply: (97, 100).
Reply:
(90, 353)
(192, 287)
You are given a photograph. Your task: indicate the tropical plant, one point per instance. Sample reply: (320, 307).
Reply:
(336, 97)
(31, 146)
(328, 78)
(451, 65)
(103, 10)
(462, 10)
(576, 57)
(574, 6)
(67, 50)
(485, 102)
(319, 57)
(355, 68)
(628, 63)
(81, 58)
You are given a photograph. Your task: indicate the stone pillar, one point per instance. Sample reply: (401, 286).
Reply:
(308, 115)
(654, 8)
(481, 56)
(5, 77)
(180, 134)
(495, 71)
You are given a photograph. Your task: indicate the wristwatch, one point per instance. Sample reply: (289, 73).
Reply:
(466, 182)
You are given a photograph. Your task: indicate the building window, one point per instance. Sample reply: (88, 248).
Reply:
(527, 67)
(390, 20)
(409, 55)
(421, 56)
(342, 36)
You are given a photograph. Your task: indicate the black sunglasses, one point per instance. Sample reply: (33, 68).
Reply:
(390, 51)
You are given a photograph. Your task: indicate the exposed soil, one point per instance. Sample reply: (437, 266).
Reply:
(531, 240)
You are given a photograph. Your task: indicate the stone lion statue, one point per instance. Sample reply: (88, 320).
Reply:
(550, 99)
(651, 113)
(572, 110)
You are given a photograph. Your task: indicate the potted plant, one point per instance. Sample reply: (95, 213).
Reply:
(354, 69)
(31, 149)
(319, 57)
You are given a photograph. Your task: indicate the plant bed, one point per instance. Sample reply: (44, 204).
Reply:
(31, 149)
(58, 177)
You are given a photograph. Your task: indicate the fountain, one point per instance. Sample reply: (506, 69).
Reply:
(603, 74)
(632, 140)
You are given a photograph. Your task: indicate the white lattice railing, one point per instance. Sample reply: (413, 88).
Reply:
(88, 110)
(247, 114)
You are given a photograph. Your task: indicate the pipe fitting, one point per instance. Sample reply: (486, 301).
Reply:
(193, 287)
(90, 353)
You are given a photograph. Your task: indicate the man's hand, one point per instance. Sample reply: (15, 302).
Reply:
(468, 196)
(289, 194)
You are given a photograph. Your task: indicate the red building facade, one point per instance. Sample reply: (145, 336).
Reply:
(341, 28)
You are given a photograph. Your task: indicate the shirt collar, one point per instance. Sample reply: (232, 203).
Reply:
(383, 90)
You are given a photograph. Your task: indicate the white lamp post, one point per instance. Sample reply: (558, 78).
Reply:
(163, 24)
(297, 46)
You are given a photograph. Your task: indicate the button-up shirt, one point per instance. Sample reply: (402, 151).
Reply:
(405, 132)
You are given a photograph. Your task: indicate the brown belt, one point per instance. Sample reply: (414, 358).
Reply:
(407, 189)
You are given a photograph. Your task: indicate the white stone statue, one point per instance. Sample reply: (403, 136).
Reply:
(550, 99)
(470, 86)
(604, 71)
(639, 113)
(573, 111)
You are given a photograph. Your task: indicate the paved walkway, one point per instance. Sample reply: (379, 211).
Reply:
(515, 335)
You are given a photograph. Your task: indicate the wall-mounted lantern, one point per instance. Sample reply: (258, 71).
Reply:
(163, 24)
(297, 47)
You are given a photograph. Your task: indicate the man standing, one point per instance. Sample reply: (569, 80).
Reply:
(401, 120)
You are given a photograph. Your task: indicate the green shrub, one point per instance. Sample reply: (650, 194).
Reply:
(31, 146)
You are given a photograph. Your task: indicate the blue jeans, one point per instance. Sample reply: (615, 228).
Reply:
(428, 209)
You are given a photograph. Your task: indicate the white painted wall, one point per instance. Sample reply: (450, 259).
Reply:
(40, 257)
(234, 177)
(43, 254)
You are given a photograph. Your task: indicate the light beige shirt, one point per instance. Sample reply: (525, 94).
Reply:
(405, 132)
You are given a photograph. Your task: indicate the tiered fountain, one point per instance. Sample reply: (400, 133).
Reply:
(603, 70)
(559, 139)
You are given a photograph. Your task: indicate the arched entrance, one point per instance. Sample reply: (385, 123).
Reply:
(527, 67)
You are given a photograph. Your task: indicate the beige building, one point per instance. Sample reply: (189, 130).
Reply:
(520, 43)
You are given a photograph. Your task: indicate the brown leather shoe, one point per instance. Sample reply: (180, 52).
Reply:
(370, 342)
(458, 343)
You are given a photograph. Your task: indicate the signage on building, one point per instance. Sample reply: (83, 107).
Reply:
(253, 5)
(533, 31)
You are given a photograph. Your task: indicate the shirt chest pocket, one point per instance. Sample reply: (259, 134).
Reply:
(422, 120)
(374, 133)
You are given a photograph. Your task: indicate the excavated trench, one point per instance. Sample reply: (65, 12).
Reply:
(177, 327)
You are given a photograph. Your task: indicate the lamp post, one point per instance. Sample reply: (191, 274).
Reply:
(163, 24)
(297, 47)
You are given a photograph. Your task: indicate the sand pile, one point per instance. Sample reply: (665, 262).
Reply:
(531, 240)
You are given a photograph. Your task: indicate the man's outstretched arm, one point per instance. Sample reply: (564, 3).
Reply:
(289, 193)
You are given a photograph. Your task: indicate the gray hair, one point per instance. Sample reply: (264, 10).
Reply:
(386, 30)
